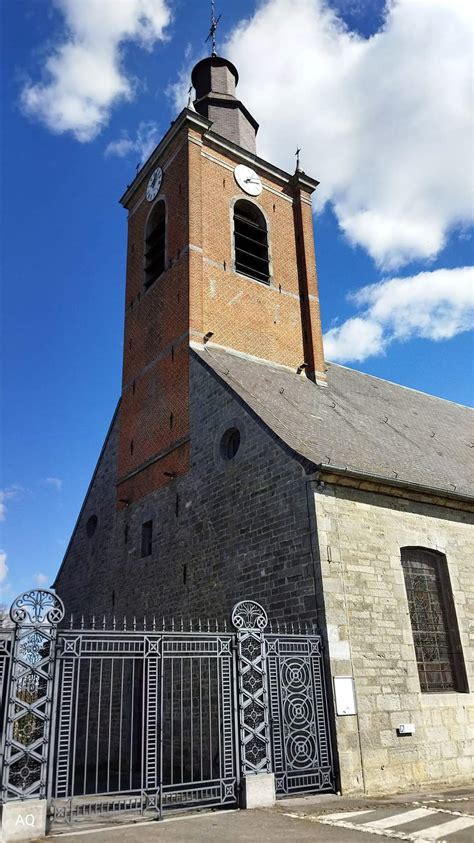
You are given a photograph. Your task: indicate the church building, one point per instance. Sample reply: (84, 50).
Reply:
(240, 464)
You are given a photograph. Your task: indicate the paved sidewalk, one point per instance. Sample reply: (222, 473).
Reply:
(421, 817)
(445, 816)
(220, 827)
(448, 798)
(265, 826)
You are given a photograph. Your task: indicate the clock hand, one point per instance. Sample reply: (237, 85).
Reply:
(252, 181)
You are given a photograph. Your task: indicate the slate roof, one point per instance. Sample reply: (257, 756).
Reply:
(359, 423)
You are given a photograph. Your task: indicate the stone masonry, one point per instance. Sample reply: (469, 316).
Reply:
(225, 531)
(369, 636)
(241, 528)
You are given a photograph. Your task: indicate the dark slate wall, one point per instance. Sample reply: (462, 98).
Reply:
(89, 559)
(226, 531)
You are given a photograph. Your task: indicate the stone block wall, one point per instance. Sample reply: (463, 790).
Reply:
(369, 637)
(225, 531)
(90, 556)
(236, 529)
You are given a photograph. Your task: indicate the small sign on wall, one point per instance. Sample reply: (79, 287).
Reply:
(344, 693)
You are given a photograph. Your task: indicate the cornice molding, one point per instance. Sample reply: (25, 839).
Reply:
(193, 120)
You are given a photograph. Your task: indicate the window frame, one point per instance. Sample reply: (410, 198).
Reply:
(448, 635)
(91, 525)
(266, 281)
(146, 542)
(230, 443)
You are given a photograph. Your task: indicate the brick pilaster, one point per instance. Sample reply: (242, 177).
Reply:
(307, 278)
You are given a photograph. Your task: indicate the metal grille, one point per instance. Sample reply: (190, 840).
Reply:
(6, 647)
(27, 734)
(145, 723)
(109, 722)
(250, 619)
(433, 622)
(250, 241)
(6, 641)
(300, 735)
(155, 244)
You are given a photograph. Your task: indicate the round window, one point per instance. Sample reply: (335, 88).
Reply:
(230, 443)
(91, 525)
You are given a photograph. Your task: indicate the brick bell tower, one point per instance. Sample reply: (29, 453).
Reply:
(220, 250)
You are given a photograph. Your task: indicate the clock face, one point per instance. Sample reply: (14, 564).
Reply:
(248, 180)
(154, 184)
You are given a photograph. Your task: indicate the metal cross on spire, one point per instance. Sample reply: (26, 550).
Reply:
(212, 31)
(297, 153)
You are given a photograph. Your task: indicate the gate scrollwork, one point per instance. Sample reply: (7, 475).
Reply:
(35, 614)
(250, 619)
(38, 606)
(170, 690)
(249, 615)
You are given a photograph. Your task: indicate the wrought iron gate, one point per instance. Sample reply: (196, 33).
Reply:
(108, 721)
(145, 722)
(300, 733)
(284, 723)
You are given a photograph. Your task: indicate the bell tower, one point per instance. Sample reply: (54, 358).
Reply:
(220, 251)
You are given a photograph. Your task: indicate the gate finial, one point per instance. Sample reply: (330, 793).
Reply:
(249, 615)
(40, 605)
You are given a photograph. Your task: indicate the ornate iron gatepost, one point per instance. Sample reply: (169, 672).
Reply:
(250, 619)
(36, 615)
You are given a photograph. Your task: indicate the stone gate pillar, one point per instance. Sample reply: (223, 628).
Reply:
(258, 781)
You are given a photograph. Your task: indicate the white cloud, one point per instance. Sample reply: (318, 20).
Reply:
(434, 305)
(3, 566)
(384, 122)
(146, 138)
(55, 482)
(40, 579)
(8, 494)
(83, 75)
(355, 339)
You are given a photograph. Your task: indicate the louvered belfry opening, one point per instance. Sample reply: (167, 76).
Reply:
(155, 244)
(251, 241)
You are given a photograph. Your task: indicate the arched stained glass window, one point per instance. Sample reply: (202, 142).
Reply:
(433, 620)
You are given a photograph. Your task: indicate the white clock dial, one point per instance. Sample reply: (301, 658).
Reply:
(248, 180)
(154, 184)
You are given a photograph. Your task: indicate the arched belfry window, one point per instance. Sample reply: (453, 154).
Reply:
(251, 241)
(433, 620)
(155, 243)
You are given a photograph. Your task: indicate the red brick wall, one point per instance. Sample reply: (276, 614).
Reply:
(155, 383)
(242, 313)
(200, 293)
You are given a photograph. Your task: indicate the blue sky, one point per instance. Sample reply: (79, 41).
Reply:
(378, 100)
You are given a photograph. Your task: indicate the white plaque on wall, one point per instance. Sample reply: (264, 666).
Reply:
(344, 693)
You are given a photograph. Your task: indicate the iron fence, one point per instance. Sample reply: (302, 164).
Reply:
(106, 720)
(302, 757)
(145, 721)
